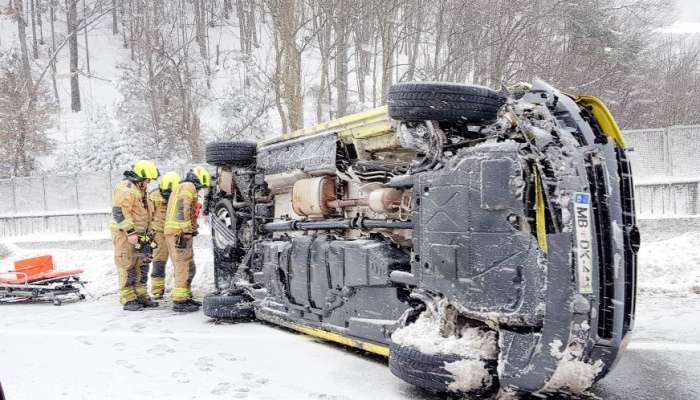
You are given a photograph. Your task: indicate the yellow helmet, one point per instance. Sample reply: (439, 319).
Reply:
(169, 181)
(146, 169)
(203, 176)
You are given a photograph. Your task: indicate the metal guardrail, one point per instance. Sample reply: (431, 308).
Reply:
(673, 199)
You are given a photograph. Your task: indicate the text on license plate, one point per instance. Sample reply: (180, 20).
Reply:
(584, 245)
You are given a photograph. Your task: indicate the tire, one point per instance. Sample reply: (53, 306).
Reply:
(445, 102)
(427, 371)
(239, 154)
(230, 307)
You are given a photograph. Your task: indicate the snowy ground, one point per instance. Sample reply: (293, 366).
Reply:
(93, 350)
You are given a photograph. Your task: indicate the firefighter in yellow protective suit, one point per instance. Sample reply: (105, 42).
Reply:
(180, 230)
(157, 204)
(130, 220)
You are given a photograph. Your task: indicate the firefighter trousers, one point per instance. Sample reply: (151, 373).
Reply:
(160, 259)
(133, 273)
(184, 268)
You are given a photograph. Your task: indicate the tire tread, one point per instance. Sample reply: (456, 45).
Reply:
(231, 153)
(441, 101)
(232, 307)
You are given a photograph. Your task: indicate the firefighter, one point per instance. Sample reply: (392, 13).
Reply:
(180, 230)
(157, 204)
(130, 220)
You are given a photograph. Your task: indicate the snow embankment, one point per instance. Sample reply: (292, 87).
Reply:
(6, 250)
(670, 266)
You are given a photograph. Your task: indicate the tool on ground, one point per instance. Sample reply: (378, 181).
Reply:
(36, 281)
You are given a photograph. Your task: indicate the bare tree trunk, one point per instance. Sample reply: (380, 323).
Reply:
(277, 85)
(387, 53)
(227, 9)
(131, 30)
(341, 57)
(361, 35)
(52, 18)
(22, 36)
(19, 161)
(200, 17)
(115, 21)
(374, 73)
(150, 23)
(242, 31)
(35, 47)
(284, 19)
(40, 23)
(246, 33)
(251, 23)
(122, 13)
(72, 19)
(322, 14)
(414, 47)
(87, 47)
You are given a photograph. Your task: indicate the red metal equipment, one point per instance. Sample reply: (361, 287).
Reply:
(34, 280)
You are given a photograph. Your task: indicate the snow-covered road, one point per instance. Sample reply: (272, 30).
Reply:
(663, 358)
(93, 350)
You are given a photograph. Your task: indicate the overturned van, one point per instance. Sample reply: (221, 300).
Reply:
(480, 240)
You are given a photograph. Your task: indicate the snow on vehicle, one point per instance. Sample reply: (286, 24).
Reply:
(480, 240)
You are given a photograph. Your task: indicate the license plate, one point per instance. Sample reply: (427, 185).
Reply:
(584, 244)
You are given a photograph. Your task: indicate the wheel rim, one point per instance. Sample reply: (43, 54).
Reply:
(225, 216)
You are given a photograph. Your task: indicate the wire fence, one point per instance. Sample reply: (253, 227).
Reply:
(666, 171)
(664, 163)
(60, 204)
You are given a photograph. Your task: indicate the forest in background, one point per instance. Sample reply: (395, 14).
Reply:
(190, 71)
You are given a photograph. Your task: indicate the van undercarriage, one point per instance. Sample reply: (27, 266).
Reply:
(480, 240)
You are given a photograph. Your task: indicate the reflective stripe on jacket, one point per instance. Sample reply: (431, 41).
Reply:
(180, 215)
(157, 205)
(129, 211)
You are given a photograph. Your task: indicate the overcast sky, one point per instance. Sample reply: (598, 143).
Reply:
(689, 10)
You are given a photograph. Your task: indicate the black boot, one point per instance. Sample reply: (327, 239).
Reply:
(195, 302)
(147, 302)
(133, 305)
(184, 306)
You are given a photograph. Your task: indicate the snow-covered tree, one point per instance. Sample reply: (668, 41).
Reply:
(244, 111)
(26, 113)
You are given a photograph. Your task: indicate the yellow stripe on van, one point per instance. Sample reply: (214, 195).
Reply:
(604, 117)
(540, 220)
(341, 339)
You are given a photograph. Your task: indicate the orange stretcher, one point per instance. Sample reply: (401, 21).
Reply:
(34, 279)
